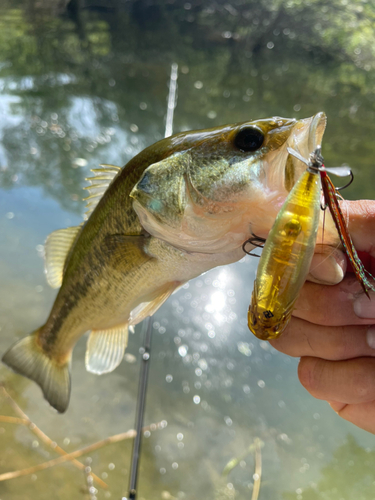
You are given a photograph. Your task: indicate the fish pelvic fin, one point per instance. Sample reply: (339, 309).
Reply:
(105, 349)
(57, 247)
(27, 358)
(148, 308)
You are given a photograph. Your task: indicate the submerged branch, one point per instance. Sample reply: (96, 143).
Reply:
(71, 456)
(13, 420)
(24, 420)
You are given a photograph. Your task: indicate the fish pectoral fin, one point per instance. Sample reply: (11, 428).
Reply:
(106, 348)
(126, 249)
(148, 308)
(57, 247)
(27, 358)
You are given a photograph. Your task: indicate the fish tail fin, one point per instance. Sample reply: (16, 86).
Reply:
(27, 358)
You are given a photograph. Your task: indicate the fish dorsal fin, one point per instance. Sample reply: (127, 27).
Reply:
(148, 308)
(105, 349)
(57, 247)
(99, 183)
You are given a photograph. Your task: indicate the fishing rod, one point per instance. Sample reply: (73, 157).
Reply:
(141, 402)
(146, 349)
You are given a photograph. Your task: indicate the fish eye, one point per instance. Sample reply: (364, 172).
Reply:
(249, 139)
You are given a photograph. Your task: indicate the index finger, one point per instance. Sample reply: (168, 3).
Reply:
(346, 303)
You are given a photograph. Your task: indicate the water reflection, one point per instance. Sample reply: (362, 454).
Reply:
(88, 86)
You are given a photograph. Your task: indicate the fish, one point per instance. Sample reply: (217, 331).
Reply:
(286, 257)
(180, 207)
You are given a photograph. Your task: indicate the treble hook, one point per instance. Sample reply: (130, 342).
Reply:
(255, 240)
(316, 162)
(348, 184)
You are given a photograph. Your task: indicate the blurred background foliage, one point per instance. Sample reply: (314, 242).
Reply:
(237, 60)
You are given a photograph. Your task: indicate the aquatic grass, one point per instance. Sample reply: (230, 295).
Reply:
(256, 448)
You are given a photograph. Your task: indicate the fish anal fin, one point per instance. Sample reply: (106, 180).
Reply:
(148, 308)
(27, 358)
(57, 247)
(106, 348)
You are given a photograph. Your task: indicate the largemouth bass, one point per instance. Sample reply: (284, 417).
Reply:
(179, 208)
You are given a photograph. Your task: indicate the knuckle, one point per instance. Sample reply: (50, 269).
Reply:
(339, 346)
(312, 306)
(366, 208)
(285, 343)
(310, 374)
(305, 373)
(362, 382)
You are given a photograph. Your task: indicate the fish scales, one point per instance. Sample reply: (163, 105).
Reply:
(177, 209)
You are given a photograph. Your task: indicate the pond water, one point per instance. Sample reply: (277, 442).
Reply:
(86, 83)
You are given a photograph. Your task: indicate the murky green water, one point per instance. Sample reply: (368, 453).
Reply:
(88, 84)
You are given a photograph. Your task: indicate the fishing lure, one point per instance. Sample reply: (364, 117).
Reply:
(286, 256)
(331, 200)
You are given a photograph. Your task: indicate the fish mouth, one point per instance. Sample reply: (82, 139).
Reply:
(305, 137)
(307, 134)
(282, 169)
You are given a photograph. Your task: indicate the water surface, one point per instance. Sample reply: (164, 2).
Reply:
(88, 84)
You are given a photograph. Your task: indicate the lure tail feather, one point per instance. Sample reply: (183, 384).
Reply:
(331, 200)
(28, 359)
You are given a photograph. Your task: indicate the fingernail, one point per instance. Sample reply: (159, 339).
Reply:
(326, 270)
(364, 307)
(370, 337)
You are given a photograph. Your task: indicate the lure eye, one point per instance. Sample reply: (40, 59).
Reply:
(249, 139)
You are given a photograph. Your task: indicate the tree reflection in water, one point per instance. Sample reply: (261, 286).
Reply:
(84, 83)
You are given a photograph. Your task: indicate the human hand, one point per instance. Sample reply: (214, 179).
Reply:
(333, 328)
